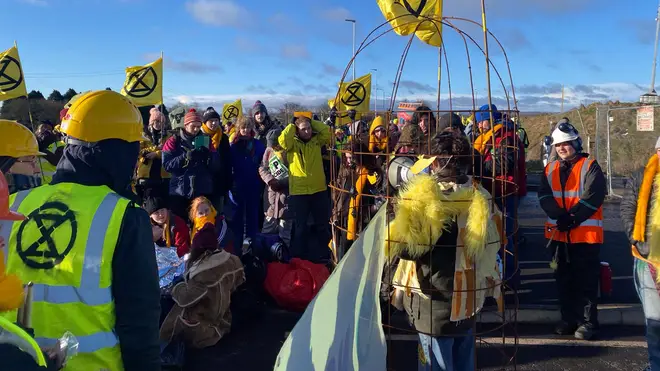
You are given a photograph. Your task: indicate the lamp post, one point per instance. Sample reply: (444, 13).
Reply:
(353, 21)
(652, 97)
(376, 90)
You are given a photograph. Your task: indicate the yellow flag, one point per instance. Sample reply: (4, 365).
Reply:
(12, 81)
(354, 94)
(405, 15)
(232, 110)
(144, 84)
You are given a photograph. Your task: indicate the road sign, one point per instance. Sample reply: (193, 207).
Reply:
(645, 118)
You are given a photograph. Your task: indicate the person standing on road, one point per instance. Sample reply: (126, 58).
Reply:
(572, 195)
(98, 278)
(640, 212)
(302, 140)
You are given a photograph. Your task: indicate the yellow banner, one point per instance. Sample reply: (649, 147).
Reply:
(232, 111)
(341, 328)
(353, 95)
(406, 15)
(144, 84)
(12, 80)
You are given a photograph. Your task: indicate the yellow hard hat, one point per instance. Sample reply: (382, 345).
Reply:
(103, 114)
(18, 141)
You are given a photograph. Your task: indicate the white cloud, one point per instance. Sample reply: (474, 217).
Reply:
(184, 65)
(219, 13)
(334, 14)
(35, 2)
(294, 51)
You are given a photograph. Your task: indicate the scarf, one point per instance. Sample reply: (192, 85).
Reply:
(354, 212)
(216, 135)
(200, 222)
(650, 181)
(481, 143)
(167, 232)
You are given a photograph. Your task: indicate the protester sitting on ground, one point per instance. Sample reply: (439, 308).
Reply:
(302, 141)
(151, 175)
(572, 193)
(19, 150)
(201, 314)
(246, 156)
(640, 212)
(201, 213)
(52, 146)
(222, 180)
(188, 157)
(274, 171)
(444, 207)
(168, 230)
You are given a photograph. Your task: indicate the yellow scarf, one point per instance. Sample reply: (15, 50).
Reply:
(216, 135)
(482, 141)
(651, 179)
(200, 222)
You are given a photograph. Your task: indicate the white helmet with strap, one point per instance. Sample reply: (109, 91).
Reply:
(565, 132)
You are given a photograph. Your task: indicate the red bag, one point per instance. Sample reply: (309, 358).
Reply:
(294, 285)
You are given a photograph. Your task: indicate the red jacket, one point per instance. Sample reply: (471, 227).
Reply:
(179, 236)
(506, 158)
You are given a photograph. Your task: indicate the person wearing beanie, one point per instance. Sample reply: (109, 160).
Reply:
(220, 143)
(263, 122)
(168, 230)
(201, 313)
(572, 194)
(640, 212)
(246, 155)
(274, 172)
(193, 162)
(151, 175)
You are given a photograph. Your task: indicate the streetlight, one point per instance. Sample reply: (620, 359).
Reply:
(353, 21)
(652, 97)
(376, 90)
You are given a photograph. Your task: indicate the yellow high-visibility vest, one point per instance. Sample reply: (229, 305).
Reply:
(48, 169)
(14, 335)
(65, 248)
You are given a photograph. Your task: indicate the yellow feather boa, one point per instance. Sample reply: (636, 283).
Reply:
(650, 181)
(424, 210)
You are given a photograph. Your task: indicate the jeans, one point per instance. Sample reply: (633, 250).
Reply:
(650, 298)
(311, 242)
(245, 221)
(509, 213)
(449, 353)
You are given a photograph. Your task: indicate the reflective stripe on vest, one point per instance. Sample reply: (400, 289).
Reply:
(589, 231)
(76, 291)
(16, 336)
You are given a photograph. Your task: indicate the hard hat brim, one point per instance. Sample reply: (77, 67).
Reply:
(13, 216)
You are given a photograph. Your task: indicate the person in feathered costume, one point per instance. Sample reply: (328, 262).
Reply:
(446, 233)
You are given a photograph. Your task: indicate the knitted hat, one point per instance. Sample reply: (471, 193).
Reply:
(259, 107)
(192, 116)
(657, 144)
(156, 116)
(272, 137)
(210, 114)
(205, 239)
(451, 120)
(154, 203)
(484, 113)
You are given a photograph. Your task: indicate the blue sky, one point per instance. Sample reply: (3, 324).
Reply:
(288, 50)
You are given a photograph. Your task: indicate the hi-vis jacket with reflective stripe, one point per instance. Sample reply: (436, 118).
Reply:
(589, 231)
(65, 248)
(48, 169)
(16, 336)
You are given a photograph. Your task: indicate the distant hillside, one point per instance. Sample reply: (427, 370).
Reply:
(630, 148)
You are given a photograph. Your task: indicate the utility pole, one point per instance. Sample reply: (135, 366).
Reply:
(376, 90)
(353, 21)
(652, 97)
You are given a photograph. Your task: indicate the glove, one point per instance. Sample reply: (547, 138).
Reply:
(565, 223)
(275, 186)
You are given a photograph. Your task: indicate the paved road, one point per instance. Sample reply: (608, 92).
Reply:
(537, 285)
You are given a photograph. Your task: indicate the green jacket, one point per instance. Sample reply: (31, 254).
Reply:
(306, 174)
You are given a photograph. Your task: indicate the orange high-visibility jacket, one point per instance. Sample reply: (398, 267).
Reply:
(591, 230)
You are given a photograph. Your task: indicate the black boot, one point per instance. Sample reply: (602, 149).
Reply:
(586, 331)
(565, 328)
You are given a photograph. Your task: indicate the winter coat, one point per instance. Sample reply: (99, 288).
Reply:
(278, 205)
(508, 170)
(152, 170)
(223, 178)
(135, 287)
(246, 156)
(306, 176)
(192, 169)
(590, 201)
(629, 209)
(201, 313)
(178, 234)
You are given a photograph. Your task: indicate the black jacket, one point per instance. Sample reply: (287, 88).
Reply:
(591, 200)
(629, 210)
(435, 272)
(135, 287)
(223, 179)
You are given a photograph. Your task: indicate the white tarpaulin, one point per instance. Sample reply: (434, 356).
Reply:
(341, 328)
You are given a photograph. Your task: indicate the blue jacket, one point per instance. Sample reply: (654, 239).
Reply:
(246, 156)
(192, 170)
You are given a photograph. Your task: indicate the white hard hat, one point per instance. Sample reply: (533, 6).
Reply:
(564, 132)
